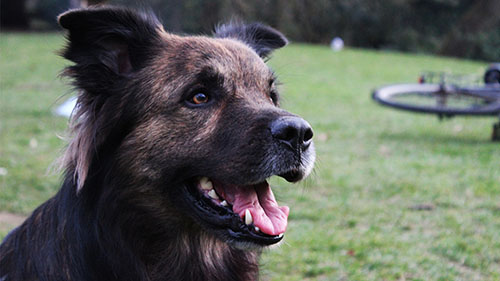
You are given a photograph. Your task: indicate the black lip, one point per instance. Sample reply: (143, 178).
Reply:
(293, 175)
(223, 220)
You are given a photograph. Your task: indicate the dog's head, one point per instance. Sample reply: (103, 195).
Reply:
(194, 120)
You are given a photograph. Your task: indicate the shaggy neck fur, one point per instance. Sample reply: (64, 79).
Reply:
(113, 237)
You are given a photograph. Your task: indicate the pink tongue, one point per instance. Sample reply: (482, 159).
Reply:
(259, 200)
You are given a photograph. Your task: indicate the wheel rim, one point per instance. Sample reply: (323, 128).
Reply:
(433, 98)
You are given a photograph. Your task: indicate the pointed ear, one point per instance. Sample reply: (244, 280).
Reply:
(106, 43)
(263, 39)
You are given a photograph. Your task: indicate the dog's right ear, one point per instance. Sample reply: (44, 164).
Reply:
(106, 44)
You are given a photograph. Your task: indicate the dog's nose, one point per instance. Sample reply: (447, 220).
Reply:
(292, 131)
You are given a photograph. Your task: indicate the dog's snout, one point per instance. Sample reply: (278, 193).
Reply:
(292, 131)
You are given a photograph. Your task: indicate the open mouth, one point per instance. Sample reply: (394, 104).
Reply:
(245, 213)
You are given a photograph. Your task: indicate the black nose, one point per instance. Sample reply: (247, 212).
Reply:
(292, 131)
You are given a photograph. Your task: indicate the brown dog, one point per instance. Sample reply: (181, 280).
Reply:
(174, 138)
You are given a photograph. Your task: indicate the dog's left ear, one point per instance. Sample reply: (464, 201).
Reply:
(261, 38)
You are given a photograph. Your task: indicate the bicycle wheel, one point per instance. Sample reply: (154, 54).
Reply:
(434, 98)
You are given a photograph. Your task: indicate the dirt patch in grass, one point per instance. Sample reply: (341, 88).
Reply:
(9, 220)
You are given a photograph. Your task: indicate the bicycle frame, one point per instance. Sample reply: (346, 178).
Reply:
(450, 99)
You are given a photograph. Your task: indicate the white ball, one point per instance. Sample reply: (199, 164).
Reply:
(337, 44)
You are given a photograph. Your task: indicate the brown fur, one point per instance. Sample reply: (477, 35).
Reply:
(125, 211)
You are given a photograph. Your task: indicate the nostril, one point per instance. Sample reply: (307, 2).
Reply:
(308, 135)
(289, 134)
(284, 131)
(292, 131)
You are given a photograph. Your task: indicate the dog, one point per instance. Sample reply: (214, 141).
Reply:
(173, 140)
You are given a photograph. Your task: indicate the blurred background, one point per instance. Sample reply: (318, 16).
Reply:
(460, 28)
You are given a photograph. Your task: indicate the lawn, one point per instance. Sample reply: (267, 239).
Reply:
(394, 195)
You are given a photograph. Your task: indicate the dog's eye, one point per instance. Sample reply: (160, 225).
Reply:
(199, 98)
(274, 96)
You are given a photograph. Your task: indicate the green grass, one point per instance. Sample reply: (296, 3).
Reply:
(355, 218)
(29, 132)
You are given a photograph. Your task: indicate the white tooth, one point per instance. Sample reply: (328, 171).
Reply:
(205, 183)
(257, 229)
(212, 194)
(224, 203)
(248, 217)
(281, 235)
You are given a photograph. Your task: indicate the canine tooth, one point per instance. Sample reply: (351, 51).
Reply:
(248, 217)
(224, 203)
(257, 229)
(281, 235)
(205, 183)
(213, 194)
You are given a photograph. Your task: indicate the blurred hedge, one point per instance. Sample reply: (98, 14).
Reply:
(464, 28)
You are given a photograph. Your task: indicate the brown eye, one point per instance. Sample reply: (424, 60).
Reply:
(199, 98)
